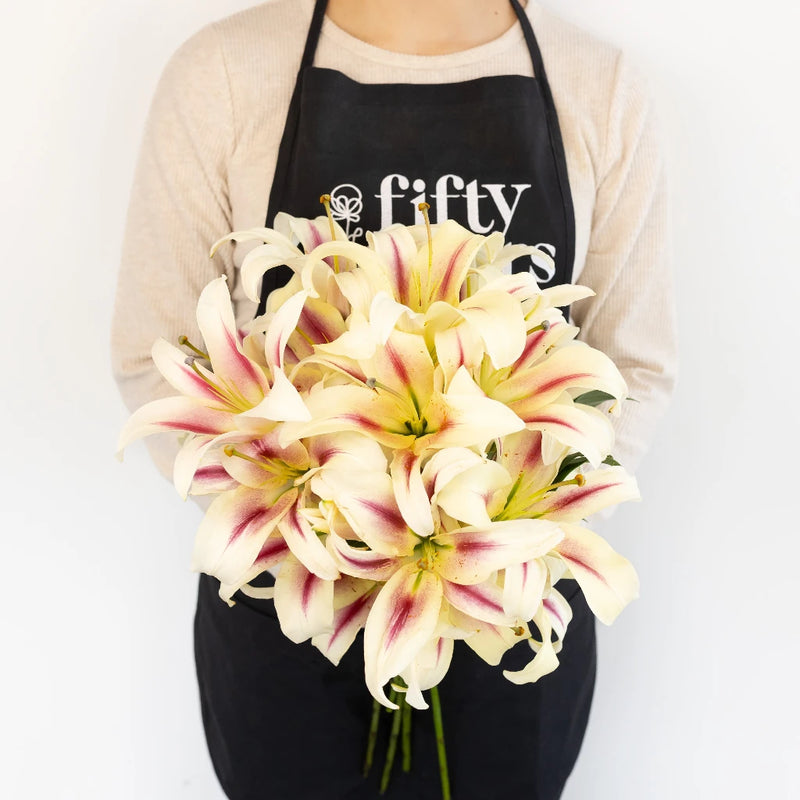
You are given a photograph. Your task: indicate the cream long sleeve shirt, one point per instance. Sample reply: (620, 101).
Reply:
(209, 152)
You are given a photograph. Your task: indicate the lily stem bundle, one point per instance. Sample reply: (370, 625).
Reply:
(401, 732)
(437, 724)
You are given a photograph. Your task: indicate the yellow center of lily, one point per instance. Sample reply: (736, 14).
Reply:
(416, 424)
(425, 553)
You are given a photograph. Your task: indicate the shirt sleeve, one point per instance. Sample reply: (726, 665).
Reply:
(632, 316)
(179, 206)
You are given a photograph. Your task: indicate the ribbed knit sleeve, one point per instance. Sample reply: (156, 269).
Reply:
(179, 206)
(627, 264)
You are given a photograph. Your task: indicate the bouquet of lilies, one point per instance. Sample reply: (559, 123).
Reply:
(410, 437)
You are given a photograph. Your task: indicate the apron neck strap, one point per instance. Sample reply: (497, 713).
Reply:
(313, 33)
(530, 39)
(318, 17)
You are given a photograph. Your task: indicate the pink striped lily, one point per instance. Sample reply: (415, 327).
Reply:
(401, 403)
(254, 526)
(243, 394)
(427, 561)
(288, 243)
(608, 580)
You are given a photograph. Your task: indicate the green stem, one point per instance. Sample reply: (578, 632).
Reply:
(373, 737)
(399, 698)
(406, 737)
(437, 724)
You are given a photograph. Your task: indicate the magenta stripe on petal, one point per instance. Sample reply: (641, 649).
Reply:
(326, 455)
(205, 386)
(479, 599)
(361, 420)
(251, 520)
(244, 362)
(397, 363)
(215, 473)
(307, 591)
(577, 496)
(582, 564)
(380, 563)
(531, 344)
(399, 619)
(399, 274)
(275, 547)
(348, 615)
(183, 425)
(551, 421)
(563, 379)
(388, 515)
(449, 273)
(553, 609)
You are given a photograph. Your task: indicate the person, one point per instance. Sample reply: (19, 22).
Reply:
(500, 117)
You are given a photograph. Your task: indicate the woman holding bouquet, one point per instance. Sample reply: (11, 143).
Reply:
(498, 116)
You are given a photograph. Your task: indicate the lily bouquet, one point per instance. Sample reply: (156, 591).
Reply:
(411, 437)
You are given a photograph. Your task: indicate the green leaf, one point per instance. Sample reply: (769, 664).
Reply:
(575, 460)
(569, 464)
(594, 398)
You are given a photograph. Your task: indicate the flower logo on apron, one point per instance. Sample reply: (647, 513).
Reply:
(347, 203)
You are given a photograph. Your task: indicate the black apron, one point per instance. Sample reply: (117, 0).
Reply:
(282, 722)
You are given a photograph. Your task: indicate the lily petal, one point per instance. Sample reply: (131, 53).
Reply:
(303, 601)
(197, 450)
(545, 660)
(367, 502)
(498, 319)
(282, 403)
(211, 477)
(483, 601)
(575, 366)
(361, 562)
(220, 335)
(567, 424)
(608, 580)
(469, 495)
(174, 414)
(396, 248)
(281, 327)
(401, 622)
(350, 408)
(466, 419)
(234, 529)
(409, 491)
(306, 545)
(427, 670)
(601, 488)
(348, 618)
(489, 642)
(523, 588)
(470, 555)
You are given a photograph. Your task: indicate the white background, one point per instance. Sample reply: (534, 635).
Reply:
(697, 693)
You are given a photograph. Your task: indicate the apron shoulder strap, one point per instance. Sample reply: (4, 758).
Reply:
(313, 33)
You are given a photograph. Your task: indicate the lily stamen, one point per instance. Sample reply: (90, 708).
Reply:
(407, 402)
(325, 199)
(191, 362)
(578, 480)
(273, 466)
(374, 383)
(183, 341)
(423, 207)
